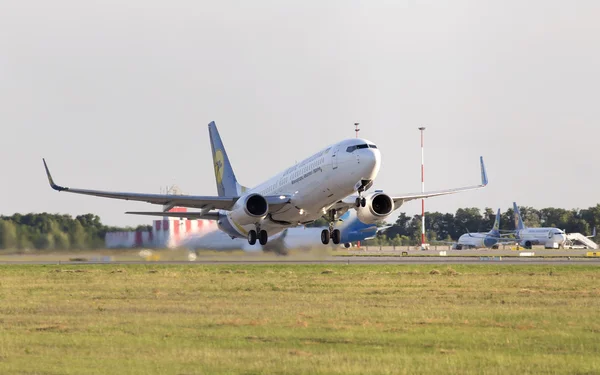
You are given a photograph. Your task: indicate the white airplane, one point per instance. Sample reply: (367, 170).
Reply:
(297, 238)
(326, 184)
(491, 239)
(527, 237)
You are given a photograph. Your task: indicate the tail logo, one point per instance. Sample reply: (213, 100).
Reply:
(219, 164)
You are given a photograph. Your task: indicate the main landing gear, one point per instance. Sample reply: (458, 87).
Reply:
(259, 234)
(334, 234)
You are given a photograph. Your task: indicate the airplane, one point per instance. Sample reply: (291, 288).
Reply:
(491, 239)
(296, 238)
(326, 184)
(527, 237)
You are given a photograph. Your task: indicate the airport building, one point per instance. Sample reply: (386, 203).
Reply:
(165, 233)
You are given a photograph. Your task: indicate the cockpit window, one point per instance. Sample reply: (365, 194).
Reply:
(356, 147)
(372, 146)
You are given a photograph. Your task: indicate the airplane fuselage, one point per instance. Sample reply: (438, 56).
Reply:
(314, 185)
(541, 236)
(478, 240)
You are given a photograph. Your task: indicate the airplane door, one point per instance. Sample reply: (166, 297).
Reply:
(334, 159)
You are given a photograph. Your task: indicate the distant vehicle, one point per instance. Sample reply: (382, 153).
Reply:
(550, 237)
(491, 239)
(298, 238)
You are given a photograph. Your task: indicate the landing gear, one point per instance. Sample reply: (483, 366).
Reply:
(252, 237)
(263, 237)
(360, 202)
(325, 236)
(336, 236)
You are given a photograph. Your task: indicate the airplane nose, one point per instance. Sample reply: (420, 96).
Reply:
(369, 162)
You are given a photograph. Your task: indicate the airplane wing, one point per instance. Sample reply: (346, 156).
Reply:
(400, 199)
(193, 201)
(348, 202)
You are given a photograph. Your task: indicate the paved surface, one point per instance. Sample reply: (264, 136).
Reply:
(345, 260)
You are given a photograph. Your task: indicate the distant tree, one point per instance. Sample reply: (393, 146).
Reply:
(468, 219)
(8, 235)
(78, 236)
(397, 240)
(530, 216)
(61, 240)
(489, 216)
(507, 220)
(44, 241)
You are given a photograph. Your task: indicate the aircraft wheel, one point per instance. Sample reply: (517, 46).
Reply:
(336, 236)
(357, 203)
(347, 245)
(263, 237)
(325, 237)
(363, 202)
(252, 237)
(528, 245)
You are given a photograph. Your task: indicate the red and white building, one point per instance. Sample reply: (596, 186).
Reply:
(166, 233)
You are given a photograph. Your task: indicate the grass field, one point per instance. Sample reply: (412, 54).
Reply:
(194, 319)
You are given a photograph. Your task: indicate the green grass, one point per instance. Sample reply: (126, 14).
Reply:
(195, 319)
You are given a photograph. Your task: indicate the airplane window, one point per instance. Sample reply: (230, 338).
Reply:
(352, 148)
(372, 146)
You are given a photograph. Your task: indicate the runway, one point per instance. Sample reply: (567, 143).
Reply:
(362, 260)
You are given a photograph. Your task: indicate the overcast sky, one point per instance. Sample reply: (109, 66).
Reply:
(117, 95)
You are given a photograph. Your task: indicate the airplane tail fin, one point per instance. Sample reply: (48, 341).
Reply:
(227, 185)
(518, 219)
(496, 227)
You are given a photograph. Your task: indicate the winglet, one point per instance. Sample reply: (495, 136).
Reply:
(484, 178)
(50, 180)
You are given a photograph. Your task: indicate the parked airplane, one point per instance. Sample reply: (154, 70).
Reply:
(527, 237)
(491, 239)
(297, 238)
(326, 184)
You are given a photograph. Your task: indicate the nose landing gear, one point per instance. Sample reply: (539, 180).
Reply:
(360, 201)
(365, 185)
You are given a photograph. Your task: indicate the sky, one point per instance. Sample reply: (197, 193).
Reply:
(117, 95)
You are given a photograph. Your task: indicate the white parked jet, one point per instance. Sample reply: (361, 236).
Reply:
(491, 239)
(327, 184)
(527, 237)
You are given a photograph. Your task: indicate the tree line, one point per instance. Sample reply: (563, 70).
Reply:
(54, 231)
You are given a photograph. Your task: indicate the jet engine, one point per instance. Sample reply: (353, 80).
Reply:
(378, 207)
(249, 209)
